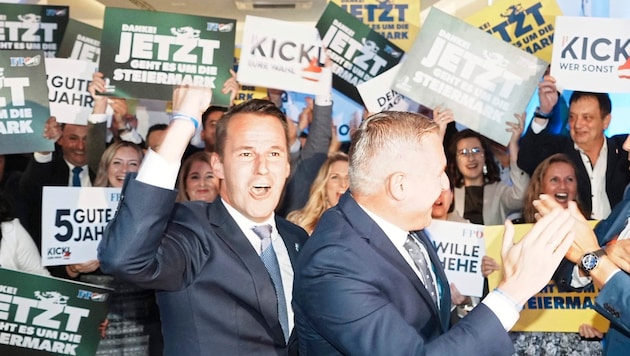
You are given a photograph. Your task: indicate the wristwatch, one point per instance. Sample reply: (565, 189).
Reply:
(590, 260)
(126, 128)
(541, 114)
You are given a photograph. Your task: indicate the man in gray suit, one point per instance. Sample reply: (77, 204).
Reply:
(223, 286)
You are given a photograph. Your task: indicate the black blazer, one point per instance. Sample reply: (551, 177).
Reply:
(34, 178)
(534, 148)
(214, 293)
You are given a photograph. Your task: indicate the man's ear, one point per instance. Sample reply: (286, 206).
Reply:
(607, 119)
(217, 165)
(395, 185)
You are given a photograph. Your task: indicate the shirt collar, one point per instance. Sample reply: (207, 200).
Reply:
(246, 224)
(71, 166)
(602, 151)
(395, 234)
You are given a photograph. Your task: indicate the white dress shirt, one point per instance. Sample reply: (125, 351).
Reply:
(18, 251)
(597, 176)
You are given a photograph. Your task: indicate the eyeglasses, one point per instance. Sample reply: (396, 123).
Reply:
(475, 151)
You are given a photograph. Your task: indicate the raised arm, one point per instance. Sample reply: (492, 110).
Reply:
(512, 196)
(142, 244)
(537, 143)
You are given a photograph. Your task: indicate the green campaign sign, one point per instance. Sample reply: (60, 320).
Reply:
(81, 41)
(49, 316)
(23, 102)
(32, 27)
(481, 78)
(358, 53)
(145, 54)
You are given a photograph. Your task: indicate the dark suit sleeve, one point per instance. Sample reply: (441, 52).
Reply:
(309, 160)
(613, 301)
(617, 170)
(153, 242)
(33, 179)
(319, 132)
(96, 144)
(534, 148)
(338, 297)
(30, 185)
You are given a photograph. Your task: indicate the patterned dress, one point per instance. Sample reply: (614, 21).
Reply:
(554, 344)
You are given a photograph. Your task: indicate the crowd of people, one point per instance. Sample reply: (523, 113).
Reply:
(201, 257)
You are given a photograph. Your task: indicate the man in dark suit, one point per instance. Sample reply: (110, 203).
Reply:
(208, 261)
(55, 169)
(367, 284)
(602, 163)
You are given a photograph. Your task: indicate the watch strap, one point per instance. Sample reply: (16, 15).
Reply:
(542, 115)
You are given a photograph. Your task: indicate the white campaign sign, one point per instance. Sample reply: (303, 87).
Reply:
(285, 56)
(592, 54)
(460, 248)
(73, 222)
(378, 97)
(68, 80)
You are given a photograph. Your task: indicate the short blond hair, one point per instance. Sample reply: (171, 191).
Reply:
(380, 137)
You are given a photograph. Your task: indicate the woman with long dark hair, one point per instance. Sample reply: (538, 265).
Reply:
(480, 196)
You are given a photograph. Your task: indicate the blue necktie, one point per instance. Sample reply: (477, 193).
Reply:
(76, 179)
(268, 256)
(412, 245)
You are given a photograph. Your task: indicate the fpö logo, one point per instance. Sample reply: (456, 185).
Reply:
(93, 296)
(219, 27)
(25, 61)
(56, 12)
(58, 253)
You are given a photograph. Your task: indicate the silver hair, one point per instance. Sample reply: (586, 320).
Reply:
(378, 141)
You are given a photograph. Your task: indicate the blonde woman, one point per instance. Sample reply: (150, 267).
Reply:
(331, 182)
(196, 180)
(118, 159)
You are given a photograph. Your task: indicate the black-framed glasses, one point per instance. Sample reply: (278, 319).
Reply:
(475, 151)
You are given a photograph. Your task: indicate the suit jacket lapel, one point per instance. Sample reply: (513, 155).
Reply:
(228, 231)
(292, 244)
(369, 230)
